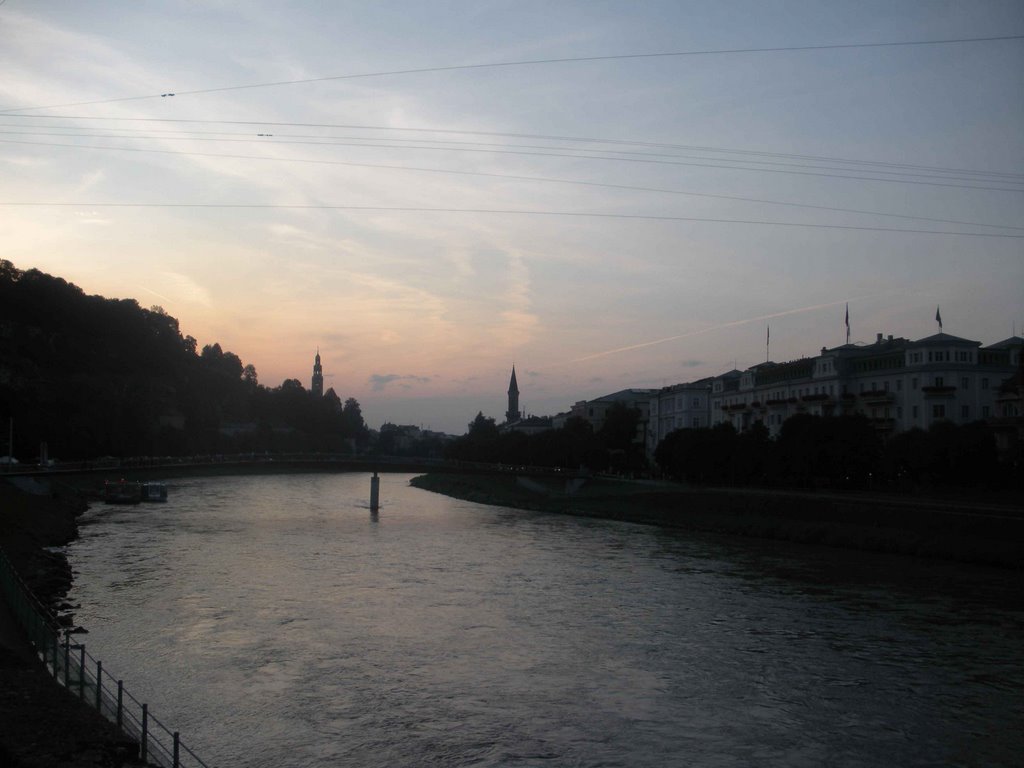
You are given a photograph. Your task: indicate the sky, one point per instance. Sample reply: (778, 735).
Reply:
(429, 193)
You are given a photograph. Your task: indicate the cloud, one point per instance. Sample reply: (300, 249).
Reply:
(186, 289)
(380, 380)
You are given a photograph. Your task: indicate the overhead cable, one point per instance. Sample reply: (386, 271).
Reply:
(173, 93)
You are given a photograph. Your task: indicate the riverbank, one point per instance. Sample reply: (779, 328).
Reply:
(42, 725)
(986, 534)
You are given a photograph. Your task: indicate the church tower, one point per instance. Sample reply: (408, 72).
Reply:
(512, 414)
(318, 377)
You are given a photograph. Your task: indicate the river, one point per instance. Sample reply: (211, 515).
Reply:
(275, 622)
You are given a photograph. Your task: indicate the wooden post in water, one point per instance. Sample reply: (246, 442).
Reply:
(374, 493)
(144, 740)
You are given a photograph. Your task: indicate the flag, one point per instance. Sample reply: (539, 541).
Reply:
(938, 318)
(847, 322)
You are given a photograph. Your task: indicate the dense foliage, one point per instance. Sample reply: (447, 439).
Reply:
(837, 452)
(575, 445)
(91, 376)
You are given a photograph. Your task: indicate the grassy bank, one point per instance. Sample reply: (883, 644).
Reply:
(962, 531)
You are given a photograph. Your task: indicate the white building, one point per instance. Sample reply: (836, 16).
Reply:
(676, 407)
(896, 383)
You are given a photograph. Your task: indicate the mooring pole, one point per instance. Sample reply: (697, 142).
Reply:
(374, 493)
(144, 745)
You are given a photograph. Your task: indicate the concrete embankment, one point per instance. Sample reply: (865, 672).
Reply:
(41, 723)
(966, 531)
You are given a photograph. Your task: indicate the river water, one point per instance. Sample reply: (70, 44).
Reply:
(275, 622)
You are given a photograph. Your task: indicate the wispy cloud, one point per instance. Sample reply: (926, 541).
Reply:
(186, 288)
(720, 327)
(378, 381)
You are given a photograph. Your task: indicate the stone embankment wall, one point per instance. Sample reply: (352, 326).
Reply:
(991, 534)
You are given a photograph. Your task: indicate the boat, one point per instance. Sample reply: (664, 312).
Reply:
(154, 491)
(121, 492)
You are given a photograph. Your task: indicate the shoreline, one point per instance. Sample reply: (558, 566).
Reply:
(959, 531)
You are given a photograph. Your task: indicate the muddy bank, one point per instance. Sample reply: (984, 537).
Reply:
(966, 532)
(41, 723)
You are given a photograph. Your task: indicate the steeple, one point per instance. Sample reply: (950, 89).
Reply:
(512, 414)
(317, 387)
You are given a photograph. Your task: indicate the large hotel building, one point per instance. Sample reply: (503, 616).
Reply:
(896, 383)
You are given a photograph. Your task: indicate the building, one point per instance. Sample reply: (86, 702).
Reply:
(676, 407)
(896, 383)
(317, 385)
(594, 411)
(513, 414)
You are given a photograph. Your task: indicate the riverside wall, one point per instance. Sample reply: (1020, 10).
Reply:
(963, 530)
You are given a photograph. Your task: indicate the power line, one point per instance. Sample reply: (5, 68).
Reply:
(506, 211)
(658, 190)
(586, 157)
(642, 157)
(542, 137)
(530, 62)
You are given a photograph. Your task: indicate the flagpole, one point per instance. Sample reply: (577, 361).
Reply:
(767, 343)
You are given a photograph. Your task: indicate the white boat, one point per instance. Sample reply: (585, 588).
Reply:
(154, 491)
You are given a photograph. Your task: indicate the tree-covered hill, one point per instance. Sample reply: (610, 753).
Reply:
(91, 376)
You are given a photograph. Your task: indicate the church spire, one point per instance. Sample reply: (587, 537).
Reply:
(512, 414)
(317, 387)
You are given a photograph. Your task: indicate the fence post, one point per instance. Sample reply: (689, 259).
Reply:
(120, 702)
(175, 765)
(99, 687)
(81, 672)
(145, 730)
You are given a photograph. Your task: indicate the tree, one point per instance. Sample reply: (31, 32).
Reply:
(352, 424)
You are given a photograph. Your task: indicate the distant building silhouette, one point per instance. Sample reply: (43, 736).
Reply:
(317, 387)
(512, 414)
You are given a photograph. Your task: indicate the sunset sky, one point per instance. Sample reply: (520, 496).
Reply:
(364, 178)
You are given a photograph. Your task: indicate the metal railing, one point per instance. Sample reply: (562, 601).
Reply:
(73, 667)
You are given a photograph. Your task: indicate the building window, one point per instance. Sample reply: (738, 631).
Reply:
(696, 422)
(965, 411)
(984, 411)
(984, 383)
(696, 402)
(913, 411)
(899, 411)
(913, 383)
(899, 385)
(885, 385)
(938, 411)
(965, 383)
(939, 381)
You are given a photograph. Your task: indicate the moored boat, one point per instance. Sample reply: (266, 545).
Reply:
(154, 491)
(121, 492)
